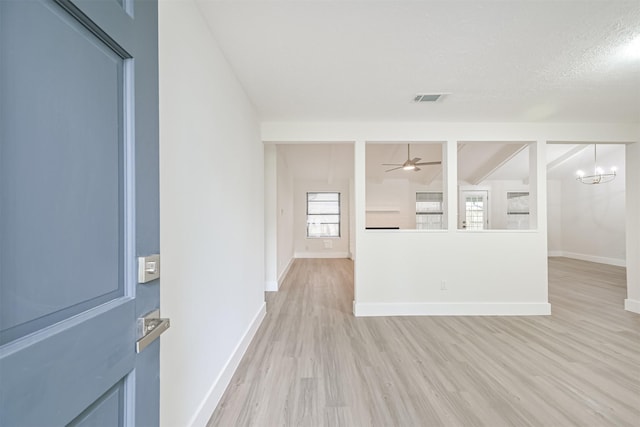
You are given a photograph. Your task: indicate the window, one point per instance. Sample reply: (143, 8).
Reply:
(518, 210)
(323, 214)
(394, 197)
(502, 171)
(429, 211)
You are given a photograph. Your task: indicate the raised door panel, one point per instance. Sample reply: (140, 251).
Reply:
(106, 411)
(52, 376)
(61, 170)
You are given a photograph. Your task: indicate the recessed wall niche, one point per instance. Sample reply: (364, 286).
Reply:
(405, 186)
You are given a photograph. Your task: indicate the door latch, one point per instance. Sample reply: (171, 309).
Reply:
(148, 268)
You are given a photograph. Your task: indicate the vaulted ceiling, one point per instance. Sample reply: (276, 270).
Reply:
(496, 61)
(477, 162)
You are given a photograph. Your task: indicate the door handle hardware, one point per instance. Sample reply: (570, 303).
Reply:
(150, 327)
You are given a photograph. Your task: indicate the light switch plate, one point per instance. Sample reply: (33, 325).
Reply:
(148, 268)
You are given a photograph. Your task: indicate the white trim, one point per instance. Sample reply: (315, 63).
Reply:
(297, 132)
(274, 285)
(632, 305)
(213, 396)
(321, 255)
(592, 258)
(270, 286)
(451, 309)
(553, 254)
(284, 273)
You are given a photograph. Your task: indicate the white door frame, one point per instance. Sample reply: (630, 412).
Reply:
(463, 191)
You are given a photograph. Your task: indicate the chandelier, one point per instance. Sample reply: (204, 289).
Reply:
(599, 176)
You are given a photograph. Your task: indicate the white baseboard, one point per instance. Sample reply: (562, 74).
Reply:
(632, 305)
(451, 309)
(321, 255)
(284, 273)
(213, 396)
(270, 286)
(592, 258)
(554, 253)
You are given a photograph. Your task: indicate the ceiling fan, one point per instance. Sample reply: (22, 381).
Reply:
(410, 164)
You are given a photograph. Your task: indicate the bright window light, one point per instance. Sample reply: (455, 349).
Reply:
(632, 49)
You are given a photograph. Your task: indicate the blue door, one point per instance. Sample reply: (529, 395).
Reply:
(78, 206)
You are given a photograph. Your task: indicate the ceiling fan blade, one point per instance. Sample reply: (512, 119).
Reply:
(428, 163)
(415, 160)
(389, 170)
(391, 164)
(416, 169)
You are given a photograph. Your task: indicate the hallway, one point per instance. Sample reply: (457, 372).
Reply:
(312, 363)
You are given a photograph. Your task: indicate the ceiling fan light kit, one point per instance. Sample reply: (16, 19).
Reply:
(599, 175)
(410, 164)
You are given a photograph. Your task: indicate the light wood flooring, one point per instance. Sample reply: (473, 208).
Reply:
(312, 363)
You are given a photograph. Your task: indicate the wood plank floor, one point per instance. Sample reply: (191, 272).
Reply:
(312, 363)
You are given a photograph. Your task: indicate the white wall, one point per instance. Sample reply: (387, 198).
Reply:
(632, 303)
(305, 247)
(392, 202)
(270, 218)
(483, 273)
(554, 217)
(352, 220)
(498, 201)
(285, 216)
(389, 204)
(212, 226)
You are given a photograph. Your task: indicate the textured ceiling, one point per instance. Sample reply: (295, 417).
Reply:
(524, 61)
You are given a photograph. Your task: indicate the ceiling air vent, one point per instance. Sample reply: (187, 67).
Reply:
(427, 97)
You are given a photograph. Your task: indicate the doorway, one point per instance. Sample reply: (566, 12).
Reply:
(474, 213)
(293, 173)
(586, 221)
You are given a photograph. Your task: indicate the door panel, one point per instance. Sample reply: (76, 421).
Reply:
(62, 179)
(78, 204)
(106, 411)
(52, 376)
